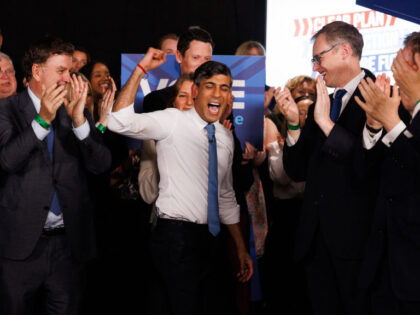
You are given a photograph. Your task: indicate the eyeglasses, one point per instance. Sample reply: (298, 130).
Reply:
(317, 58)
(9, 72)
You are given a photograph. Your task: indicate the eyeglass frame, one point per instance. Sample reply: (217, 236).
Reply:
(9, 72)
(317, 58)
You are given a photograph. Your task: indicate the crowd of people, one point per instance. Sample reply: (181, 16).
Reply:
(323, 220)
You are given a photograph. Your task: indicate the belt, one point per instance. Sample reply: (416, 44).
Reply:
(181, 223)
(54, 232)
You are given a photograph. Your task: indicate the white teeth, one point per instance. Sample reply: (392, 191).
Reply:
(214, 104)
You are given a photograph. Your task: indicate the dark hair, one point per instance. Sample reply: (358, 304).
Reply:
(83, 50)
(339, 31)
(40, 51)
(165, 37)
(88, 69)
(175, 88)
(209, 69)
(195, 33)
(413, 40)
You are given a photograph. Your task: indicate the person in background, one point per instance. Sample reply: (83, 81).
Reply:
(254, 48)
(8, 82)
(80, 59)
(285, 275)
(168, 43)
(195, 46)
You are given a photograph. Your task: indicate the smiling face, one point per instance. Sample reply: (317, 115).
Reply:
(7, 78)
(184, 99)
(197, 53)
(100, 79)
(56, 70)
(211, 97)
(331, 66)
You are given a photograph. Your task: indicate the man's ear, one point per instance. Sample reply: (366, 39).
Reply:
(416, 66)
(178, 57)
(346, 49)
(194, 91)
(36, 71)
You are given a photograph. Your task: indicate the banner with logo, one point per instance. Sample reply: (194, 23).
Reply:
(248, 89)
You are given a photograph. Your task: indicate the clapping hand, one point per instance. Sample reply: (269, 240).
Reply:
(76, 105)
(106, 103)
(287, 106)
(378, 104)
(51, 99)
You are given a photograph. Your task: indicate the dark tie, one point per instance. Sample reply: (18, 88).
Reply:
(55, 206)
(212, 197)
(336, 104)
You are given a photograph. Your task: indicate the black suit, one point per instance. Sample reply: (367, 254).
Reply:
(29, 179)
(392, 263)
(156, 100)
(337, 208)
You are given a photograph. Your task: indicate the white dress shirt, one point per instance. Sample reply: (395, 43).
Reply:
(182, 152)
(389, 138)
(81, 132)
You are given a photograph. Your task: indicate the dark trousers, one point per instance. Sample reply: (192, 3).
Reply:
(49, 273)
(333, 283)
(383, 299)
(183, 254)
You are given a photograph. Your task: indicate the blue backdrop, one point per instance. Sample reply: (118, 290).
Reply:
(248, 88)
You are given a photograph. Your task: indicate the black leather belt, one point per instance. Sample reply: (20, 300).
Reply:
(54, 232)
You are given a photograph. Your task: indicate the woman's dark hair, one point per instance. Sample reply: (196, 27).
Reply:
(175, 88)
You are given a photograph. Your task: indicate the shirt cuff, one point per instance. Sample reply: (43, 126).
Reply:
(82, 132)
(393, 134)
(368, 141)
(40, 131)
(290, 141)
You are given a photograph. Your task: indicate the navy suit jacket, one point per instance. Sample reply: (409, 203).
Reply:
(337, 200)
(395, 235)
(29, 179)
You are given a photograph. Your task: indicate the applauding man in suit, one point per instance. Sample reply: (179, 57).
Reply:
(46, 148)
(337, 206)
(392, 143)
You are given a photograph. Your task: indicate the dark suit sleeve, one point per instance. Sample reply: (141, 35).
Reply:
(295, 158)
(154, 101)
(96, 156)
(15, 147)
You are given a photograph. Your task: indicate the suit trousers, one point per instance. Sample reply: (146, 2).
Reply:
(183, 254)
(333, 282)
(48, 280)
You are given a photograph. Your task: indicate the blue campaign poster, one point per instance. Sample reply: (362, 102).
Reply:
(248, 89)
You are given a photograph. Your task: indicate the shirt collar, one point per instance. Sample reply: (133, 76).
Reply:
(416, 110)
(352, 85)
(199, 121)
(35, 100)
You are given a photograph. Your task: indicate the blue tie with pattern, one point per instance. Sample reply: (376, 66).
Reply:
(336, 104)
(212, 197)
(55, 206)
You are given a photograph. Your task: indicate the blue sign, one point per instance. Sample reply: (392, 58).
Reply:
(248, 74)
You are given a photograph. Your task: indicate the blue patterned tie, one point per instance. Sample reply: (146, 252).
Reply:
(336, 104)
(55, 206)
(212, 198)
